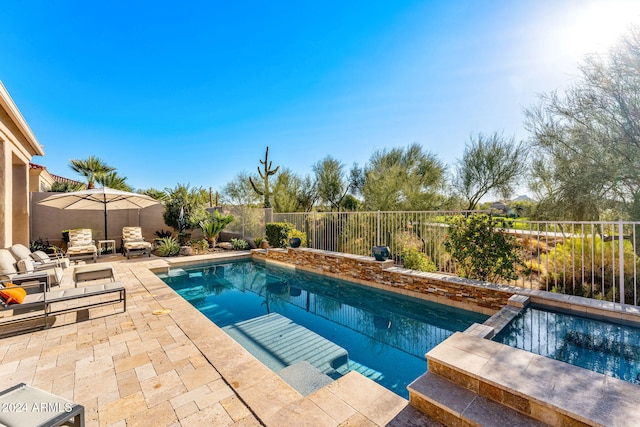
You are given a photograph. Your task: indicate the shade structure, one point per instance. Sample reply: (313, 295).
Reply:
(99, 199)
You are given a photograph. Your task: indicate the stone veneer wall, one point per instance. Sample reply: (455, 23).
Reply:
(477, 296)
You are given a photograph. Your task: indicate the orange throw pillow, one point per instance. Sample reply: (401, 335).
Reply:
(13, 295)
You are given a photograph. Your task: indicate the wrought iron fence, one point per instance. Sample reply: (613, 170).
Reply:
(592, 259)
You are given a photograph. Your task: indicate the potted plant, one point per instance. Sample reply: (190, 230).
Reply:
(295, 242)
(381, 253)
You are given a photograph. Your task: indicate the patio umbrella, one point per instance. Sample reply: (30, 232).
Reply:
(102, 199)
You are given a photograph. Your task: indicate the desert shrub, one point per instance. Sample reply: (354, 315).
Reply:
(481, 250)
(239, 244)
(572, 266)
(199, 245)
(168, 246)
(413, 259)
(39, 245)
(213, 224)
(163, 233)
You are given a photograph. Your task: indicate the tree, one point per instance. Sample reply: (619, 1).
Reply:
(240, 192)
(92, 169)
(66, 187)
(153, 193)
(402, 179)
(292, 193)
(333, 184)
(587, 139)
(113, 180)
(191, 201)
(264, 189)
(490, 165)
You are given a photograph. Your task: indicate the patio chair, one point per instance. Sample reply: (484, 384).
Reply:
(24, 270)
(33, 307)
(81, 245)
(40, 259)
(133, 243)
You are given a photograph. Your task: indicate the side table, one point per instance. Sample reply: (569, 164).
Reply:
(103, 245)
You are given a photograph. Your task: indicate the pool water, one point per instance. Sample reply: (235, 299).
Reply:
(386, 335)
(603, 347)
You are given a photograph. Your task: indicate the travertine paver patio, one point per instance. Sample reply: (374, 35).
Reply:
(153, 366)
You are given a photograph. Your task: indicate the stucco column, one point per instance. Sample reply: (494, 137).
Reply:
(6, 184)
(20, 202)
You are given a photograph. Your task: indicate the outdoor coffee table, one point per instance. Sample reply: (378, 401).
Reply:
(23, 405)
(83, 273)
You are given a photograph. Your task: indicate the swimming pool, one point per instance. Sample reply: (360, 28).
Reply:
(385, 334)
(603, 347)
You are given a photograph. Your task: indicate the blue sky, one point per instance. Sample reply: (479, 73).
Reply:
(193, 92)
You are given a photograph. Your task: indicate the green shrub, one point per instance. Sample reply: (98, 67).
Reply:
(413, 259)
(300, 234)
(239, 244)
(258, 240)
(278, 233)
(168, 246)
(482, 251)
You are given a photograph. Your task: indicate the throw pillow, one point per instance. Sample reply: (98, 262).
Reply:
(13, 295)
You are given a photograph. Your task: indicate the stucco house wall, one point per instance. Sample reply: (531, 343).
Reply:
(18, 145)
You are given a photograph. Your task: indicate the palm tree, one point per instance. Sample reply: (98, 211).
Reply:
(92, 169)
(113, 180)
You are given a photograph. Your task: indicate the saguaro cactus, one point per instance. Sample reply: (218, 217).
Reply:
(265, 191)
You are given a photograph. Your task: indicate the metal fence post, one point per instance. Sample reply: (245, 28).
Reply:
(378, 230)
(621, 256)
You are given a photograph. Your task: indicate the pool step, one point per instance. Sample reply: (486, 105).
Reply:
(452, 404)
(278, 342)
(547, 390)
(366, 371)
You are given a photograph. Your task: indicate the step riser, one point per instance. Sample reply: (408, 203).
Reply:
(499, 395)
(437, 413)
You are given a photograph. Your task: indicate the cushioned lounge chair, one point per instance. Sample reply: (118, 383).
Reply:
(24, 270)
(42, 305)
(40, 259)
(81, 245)
(133, 243)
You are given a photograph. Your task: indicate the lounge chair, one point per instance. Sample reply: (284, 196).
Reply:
(24, 270)
(133, 243)
(40, 259)
(41, 305)
(34, 407)
(81, 245)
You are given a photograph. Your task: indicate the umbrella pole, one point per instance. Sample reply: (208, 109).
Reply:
(105, 217)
